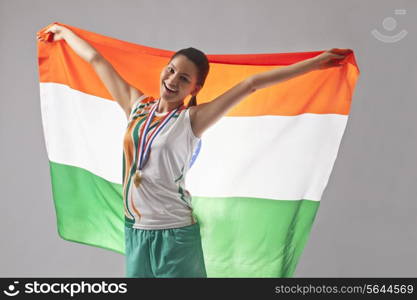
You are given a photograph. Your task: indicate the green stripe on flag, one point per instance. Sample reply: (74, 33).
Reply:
(242, 237)
(89, 209)
(253, 237)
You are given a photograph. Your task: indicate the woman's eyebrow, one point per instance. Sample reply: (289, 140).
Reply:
(176, 68)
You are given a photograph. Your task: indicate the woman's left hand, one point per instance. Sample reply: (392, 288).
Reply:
(331, 58)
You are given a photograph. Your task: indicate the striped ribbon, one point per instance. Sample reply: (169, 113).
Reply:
(145, 144)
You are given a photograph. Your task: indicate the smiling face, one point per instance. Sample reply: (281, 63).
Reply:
(178, 79)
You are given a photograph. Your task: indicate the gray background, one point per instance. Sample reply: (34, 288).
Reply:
(366, 223)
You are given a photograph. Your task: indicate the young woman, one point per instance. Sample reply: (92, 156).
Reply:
(162, 237)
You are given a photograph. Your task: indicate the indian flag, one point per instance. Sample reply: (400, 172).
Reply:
(260, 173)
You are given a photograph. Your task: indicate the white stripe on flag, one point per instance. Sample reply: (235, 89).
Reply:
(86, 131)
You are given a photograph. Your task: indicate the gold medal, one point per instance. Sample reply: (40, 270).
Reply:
(137, 178)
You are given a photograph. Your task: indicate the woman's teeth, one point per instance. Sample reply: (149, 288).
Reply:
(168, 89)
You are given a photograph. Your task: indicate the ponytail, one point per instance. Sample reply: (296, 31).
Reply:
(193, 101)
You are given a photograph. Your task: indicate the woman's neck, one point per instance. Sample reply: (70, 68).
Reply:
(165, 106)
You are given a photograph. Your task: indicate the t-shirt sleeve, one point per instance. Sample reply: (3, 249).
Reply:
(140, 100)
(188, 127)
(136, 104)
(193, 141)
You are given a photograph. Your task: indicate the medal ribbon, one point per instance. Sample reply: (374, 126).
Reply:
(145, 144)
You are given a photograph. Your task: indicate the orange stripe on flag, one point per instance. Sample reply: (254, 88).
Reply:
(331, 89)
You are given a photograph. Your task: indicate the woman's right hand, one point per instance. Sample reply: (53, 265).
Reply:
(56, 33)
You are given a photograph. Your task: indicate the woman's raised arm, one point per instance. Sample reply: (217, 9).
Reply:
(120, 90)
(206, 114)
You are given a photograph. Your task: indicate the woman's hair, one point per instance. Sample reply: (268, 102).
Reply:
(201, 61)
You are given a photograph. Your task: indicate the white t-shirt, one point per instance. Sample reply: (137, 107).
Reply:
(161, 200)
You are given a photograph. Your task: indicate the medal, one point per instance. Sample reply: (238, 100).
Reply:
(138, 178)
(145, 144)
